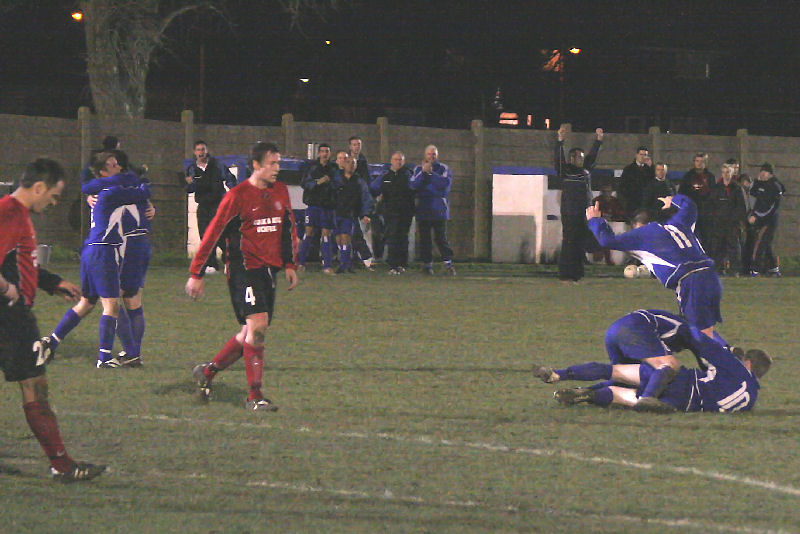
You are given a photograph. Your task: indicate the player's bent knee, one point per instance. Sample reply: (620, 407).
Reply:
(661, 361)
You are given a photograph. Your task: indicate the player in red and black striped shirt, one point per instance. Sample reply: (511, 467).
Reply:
(23, 354)
(260, 207)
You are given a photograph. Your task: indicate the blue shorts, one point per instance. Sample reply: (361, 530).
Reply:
(345, 225)
(320, 217)
(632, 338)
(699, 296)
(134, 264)
(680, 393)
(100, 271)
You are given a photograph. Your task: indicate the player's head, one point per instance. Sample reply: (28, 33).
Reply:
(41, 184)
(355, 144)
(759, 361)
(431, 153)
(700, 160)
(201, 150)
(576, 156)
(324, 152)
(642, 154)
(640, 218)
(265, 160)
(398, 160)
(110, 142)
(105, 164)
(341, 156)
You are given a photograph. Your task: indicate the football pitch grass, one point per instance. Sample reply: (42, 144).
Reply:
(406, 405)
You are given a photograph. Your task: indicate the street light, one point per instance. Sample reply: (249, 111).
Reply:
(77, 16)
(574, 51)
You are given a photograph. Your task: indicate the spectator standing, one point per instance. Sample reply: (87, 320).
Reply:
(612, 211)
(319, 197)
(576, 196)
(207, 178)
(432, 180)
(696, 184)
(658, 187)
(763, 219)
(353, 205)
(728, 212)
(397, 198)
(633, 181)
(366, 251)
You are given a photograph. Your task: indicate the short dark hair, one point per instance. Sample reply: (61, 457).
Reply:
(732, 161)
(99, 162)
(640, 217)
(574, 150)
(354, 138)
(700, 155)
(642, 147)
(261, 149)
(760, 361)
(199, 142)
(44, 170)
(110, 142)
(323, 145)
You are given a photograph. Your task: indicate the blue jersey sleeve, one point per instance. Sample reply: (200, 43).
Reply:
(687, 212)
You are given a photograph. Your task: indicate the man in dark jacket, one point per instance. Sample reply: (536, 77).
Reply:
(728, 212)
(658, 187)
(368, 252)
(398, 207)
(353, 205)
(207, 178)
(576, 196)
(763, 220)
(634, 179)
(319, 197)
(432, 180)
(696, 184)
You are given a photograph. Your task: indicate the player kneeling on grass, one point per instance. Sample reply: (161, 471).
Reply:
(260, 205)
(22, 354)
(726, 381)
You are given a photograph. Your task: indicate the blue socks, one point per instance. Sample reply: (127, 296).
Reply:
(586, 371)
(130, 330)
(658, 381)
(603, 396)
(136, 317)
(326, 252)
(345, 257)
(64, 327)
(108, 327)
(305, 245)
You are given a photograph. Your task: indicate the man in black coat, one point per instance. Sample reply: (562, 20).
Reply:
(633, 181)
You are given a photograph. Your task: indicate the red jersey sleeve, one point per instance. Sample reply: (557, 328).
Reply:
(227, 210)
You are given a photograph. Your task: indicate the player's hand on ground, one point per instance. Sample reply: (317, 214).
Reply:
(291, 278)
(69, 291)
(12, 294)
(593, 212)
(194, 287)
(667, 202)
(150, 212)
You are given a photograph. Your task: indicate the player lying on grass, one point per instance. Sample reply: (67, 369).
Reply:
(727, 380)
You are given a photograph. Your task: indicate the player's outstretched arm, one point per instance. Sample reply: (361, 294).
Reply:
(194, 287)
(68, 291)
(291, 278)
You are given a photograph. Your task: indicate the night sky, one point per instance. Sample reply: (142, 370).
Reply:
(440, 63)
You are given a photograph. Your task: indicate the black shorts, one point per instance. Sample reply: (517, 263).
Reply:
(252, 291)
(19, 336)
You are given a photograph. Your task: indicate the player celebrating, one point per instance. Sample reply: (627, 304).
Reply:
(101, 257)
(727, 380)
(22, 355)
(261, 206)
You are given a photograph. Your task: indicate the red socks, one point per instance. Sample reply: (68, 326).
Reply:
(227, 356)
(44, 425)
(254, 367)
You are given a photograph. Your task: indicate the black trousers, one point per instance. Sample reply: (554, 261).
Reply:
(726, 248)
(397, 228)
(204, 215)
(763, 259)
(439, 229)
(576, 240)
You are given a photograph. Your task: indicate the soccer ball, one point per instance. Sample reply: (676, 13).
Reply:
(631, 271)
(644, 272)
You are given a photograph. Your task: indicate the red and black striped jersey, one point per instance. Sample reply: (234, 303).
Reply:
(18, 248)
(269, 236)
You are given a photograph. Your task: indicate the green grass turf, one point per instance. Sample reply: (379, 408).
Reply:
(407, 405)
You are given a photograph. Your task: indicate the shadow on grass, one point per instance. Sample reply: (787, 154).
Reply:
(221, 392)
